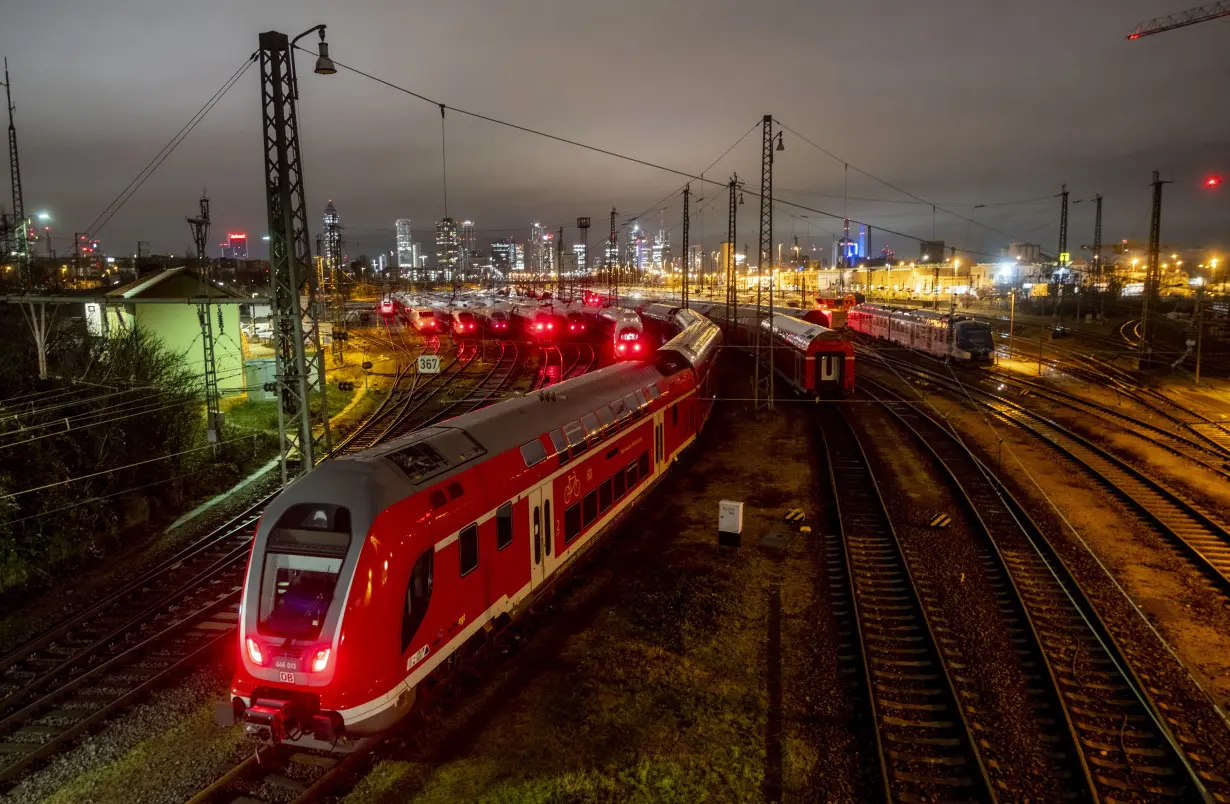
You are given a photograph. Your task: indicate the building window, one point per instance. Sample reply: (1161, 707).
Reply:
(467, 543)
(503, 525)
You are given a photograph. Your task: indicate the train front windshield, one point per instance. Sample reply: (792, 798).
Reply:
(302, 567)
(974, 335)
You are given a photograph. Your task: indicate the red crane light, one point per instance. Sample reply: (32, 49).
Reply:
(1213, 181)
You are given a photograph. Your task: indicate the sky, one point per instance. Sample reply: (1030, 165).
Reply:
(971, 105)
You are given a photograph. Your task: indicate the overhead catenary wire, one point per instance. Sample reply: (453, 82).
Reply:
(118, 202)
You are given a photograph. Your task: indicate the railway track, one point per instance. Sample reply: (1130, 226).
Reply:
(1197, 536)
(584, 362)
(927, 749)
(485, 389)
(549, 374)
(73, 677)
(88, 668)
(1112, 724)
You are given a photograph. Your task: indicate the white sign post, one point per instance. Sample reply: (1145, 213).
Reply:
(429, 364)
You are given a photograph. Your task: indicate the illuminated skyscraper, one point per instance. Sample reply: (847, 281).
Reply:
(536, 248)
(503, 256)
(238, 243)
(332, 242)
(447, 247)
(405, 245)
(519, 259)
(578, 254)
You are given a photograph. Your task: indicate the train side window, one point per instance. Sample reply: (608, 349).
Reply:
(590, 507)
(590, 421)
(438, 500)
(621, 483)
(604, 496)
(674, 415)
(467, 548)
(620, 409)
(503, 525)
(572, 522)
(455, 490)
(576, 437)
(630, 471)
(641, 401)
(643, 464)
(533, 452)
(605, 416)
(560, 444)
(546, 526)
(634, 407)
(654, 393)
(418, 596)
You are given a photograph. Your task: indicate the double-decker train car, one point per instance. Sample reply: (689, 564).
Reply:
(496, 319)
(814, 360)
(538, 322)
(939, 334)
(370, 573)
(626, 332)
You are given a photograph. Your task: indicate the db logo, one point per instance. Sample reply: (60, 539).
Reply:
(572, 487)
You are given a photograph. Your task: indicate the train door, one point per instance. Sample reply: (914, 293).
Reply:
(537, 555)
(659, 440)
(828, 371)
(550, 552)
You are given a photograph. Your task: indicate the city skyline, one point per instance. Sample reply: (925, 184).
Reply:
(1094, 111)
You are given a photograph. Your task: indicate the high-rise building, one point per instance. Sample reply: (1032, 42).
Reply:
(546, 253)
(417, 257)
(578, 254)
(660, 254)
(447, 247)
(503, 256)
(405, 245)
(467, 239)
(331, 249)
(519, 259)
(237, 242)
(536, 248)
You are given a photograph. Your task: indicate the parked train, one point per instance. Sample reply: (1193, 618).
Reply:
(370, 572)
(814, 360)
(938, 334)
(538, 322)
(497, 319)
(626, 332)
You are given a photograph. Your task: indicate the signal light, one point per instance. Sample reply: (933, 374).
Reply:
(254, 652)
(321, 660)
(1212, 181)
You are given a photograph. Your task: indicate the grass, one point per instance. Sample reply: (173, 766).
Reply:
(263, 416)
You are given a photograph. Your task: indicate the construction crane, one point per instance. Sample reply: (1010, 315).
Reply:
(1182, 19)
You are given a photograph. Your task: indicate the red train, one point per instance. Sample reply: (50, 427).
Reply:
(374, 569)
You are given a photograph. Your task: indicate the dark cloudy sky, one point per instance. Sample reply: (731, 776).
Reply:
(962, 102)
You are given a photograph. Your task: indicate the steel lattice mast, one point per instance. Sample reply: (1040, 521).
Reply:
(1181, 20)
(1153, 271)
(612, 263)
(687, 197)
(20, 230)
(299, 360)
(763, 390)
(732, 290)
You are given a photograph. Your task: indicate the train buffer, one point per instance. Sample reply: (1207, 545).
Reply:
(795, 516)
(940, 521)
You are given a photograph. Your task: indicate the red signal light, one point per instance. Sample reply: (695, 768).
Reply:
(1212, 181)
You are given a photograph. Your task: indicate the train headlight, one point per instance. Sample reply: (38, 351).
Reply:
(254, 652)
(321, 660)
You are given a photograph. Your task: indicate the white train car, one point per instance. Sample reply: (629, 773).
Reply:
(938, 334)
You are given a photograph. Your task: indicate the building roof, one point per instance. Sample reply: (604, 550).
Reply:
(171, 283)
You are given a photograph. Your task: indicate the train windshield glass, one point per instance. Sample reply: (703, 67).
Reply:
(978, 335)
(303, 561)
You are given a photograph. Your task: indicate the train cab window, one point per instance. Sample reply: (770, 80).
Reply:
(546, 526)
(630, 471)
(503, 526)
(620, 481)
(467, 548)
(418, 596)
(560, 444)
(590, 507)
(303, 563)
(572, 522)
(643, 464)
(455, 490)
(533, 452)
(438, 500)
(604, 496)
